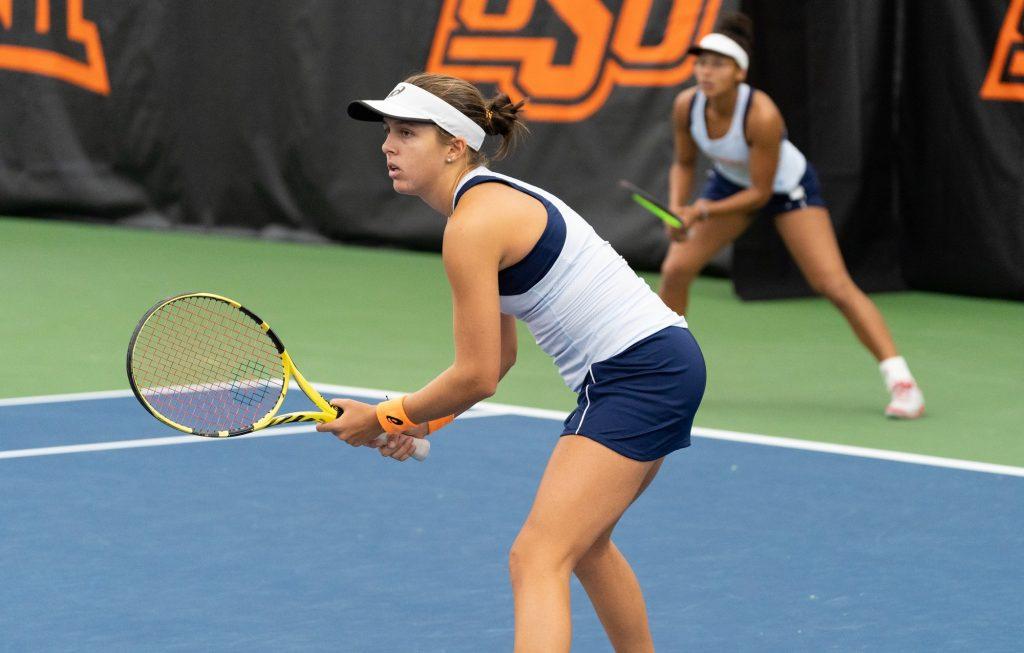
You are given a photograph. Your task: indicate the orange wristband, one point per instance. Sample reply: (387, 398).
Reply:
(392, 417)
(439, 423)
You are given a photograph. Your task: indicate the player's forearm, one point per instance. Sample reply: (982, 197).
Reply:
(680, 181)
(745, 201)
(453, 391)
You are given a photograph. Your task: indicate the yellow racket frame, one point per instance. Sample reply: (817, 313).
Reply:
(326, 413)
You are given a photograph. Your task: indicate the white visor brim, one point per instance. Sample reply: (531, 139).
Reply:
(412, 103)
(723, 45)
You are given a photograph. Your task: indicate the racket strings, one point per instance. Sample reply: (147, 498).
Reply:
(206, 365)
(199, 370)
(226, 339)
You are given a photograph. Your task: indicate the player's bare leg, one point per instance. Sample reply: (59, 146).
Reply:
(686, 259)
(811, 239)
(584, 491)
(614, 590)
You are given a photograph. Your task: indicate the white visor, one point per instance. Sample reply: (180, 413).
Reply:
(722, 44)
(409, 102)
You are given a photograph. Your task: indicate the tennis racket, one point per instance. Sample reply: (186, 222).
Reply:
(206, 365)
(646, 200)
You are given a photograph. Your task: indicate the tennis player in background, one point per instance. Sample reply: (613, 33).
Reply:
(512, 250)
(757, 170)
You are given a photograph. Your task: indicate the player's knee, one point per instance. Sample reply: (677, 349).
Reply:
(525, 553)
(838, 289)
(520, 559)
(532, 553)
(679, 269)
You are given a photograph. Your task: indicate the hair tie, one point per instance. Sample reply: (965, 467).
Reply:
(488, 114)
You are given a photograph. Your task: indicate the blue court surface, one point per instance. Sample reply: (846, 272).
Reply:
(297, 542)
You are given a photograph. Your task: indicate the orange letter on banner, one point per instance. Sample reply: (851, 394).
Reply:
(589, 20)
(681, 30)
(517, 14)
(514, 50)
(90, 74)
(1005, 79)
(42, 16)
(633, 20)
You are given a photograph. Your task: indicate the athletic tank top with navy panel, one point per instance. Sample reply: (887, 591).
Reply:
(731, 153)
(579, 298)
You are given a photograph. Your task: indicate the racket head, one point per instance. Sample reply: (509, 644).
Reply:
(646, 200)
(206, 365)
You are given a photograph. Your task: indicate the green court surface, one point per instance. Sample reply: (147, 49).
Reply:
(380, 318)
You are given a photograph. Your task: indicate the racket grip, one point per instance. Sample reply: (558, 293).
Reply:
(421, 448)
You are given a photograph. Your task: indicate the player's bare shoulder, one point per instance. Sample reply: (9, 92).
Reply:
(681, 105)
(494, 213)
(764, 114)
(487, 212)
(494, 204)
(764, 120)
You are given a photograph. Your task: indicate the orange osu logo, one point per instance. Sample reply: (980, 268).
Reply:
(568, 55)
(34, 40)
(1005, 79)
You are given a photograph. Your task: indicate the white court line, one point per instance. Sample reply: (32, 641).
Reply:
(490, 409)
(144, 442)
(861, 452)
(178, 439)
(78, 396)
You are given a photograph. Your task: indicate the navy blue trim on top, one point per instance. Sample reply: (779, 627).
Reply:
(746, 112)
(517, 279)
(746, 115)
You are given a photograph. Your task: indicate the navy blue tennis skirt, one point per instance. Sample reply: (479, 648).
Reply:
(808, 193)
(641, 402)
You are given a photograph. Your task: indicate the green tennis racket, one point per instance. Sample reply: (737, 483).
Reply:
(646, 200)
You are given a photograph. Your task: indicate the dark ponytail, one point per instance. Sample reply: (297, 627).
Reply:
(739, 28)
(501, 118)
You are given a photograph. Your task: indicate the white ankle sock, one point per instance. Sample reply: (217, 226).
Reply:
(895, 370)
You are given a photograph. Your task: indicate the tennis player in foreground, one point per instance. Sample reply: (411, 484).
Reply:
(512, 250)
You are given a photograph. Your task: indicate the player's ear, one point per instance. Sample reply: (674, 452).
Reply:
(457, 148)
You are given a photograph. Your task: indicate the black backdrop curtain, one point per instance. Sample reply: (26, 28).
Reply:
(923, 175)
(230, 115)
(827, 65)
(962, 154)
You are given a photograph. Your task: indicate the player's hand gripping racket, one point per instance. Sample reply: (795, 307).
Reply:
(646, 200)
(206, 365)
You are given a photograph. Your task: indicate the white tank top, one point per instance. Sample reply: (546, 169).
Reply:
(731, 153)
(579, 298)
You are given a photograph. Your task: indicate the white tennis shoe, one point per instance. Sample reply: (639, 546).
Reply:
(907, 401)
